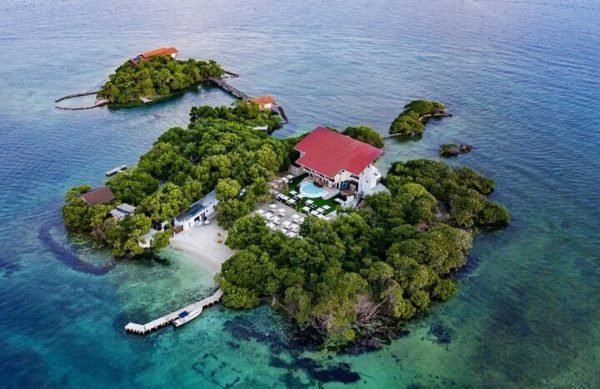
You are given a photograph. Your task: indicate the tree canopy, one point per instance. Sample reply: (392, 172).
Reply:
(242, 112)
(410, 122)
(183, 165)
(157, 77)
(365, 134)
(362, 275)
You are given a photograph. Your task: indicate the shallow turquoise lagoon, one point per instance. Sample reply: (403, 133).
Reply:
(521, 79)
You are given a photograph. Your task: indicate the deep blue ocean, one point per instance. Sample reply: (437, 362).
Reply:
(522, 79)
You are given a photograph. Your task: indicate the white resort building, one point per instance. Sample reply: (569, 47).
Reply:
(336, 161)
(200, 211)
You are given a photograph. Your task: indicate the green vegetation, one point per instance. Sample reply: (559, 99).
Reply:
(243, 112)
(358, 278)
(365, 134)
(182, 166)
(158, 77)
(454, 149)
(412, 120)
(353, 280)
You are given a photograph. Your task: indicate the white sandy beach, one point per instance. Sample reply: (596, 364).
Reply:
(206, 244)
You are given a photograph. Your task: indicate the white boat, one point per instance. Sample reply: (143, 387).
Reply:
(186, 316)
(116, 170)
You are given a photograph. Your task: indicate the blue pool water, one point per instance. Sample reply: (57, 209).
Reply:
(309, 189)
(520, 77)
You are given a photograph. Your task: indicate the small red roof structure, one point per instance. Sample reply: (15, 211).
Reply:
(262, 100)
(328, 152)
(98, 196)
(160, 51)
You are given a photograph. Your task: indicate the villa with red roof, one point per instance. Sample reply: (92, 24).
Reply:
(337, 161)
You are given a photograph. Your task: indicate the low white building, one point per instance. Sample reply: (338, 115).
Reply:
(202, 210)
(147, 240)
(338, 161)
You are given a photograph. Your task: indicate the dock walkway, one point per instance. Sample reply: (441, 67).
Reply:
(169, 318)
(221, 83)
(229, 88)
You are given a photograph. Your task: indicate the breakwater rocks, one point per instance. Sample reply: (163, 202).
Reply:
(97, 103)
(68, 255)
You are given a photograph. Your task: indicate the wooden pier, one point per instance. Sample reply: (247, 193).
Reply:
(169, 318)
(229, 88)
(221, 83)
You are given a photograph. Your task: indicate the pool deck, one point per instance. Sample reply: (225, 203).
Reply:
(324, 193)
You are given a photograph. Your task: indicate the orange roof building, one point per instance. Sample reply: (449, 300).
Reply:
(162, 51)
(263, 102)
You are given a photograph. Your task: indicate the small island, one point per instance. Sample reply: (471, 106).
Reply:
(347, 254)
(411, 122)
(155, 75)
(454, 149)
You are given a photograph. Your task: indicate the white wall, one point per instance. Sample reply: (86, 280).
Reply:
(369, 179)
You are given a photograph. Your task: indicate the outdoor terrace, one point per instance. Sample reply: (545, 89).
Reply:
(287, 190)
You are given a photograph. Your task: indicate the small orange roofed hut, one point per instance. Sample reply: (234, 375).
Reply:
(160, 52)
(263, 102)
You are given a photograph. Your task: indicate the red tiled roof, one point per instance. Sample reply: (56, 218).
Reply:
(261, 100)
(98, 196)
(328, 152)
(160, 51)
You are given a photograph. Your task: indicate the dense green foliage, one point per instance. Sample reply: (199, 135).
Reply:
(157, 77)
(365, 134)
(454, 149)
(242, 112)
(182, 166)
(410, 122)
(460, 190)
(360, 276)
(94, 221)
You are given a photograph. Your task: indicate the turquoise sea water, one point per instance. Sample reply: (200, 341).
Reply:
(522, 79)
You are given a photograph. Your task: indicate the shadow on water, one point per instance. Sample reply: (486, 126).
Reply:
(287, 351)
(68, 255)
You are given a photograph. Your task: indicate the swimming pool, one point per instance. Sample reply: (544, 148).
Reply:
(308, 189)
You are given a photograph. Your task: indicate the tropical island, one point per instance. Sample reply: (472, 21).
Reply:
(411, 122)
(348, 255)
(154, 76)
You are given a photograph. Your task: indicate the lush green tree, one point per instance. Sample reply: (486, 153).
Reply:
(237, 297)
(410, 121)
(165, 203)
(242, 112)
(75, 212)
(160, 240)
(365, 134)
(156, 77)
(125, 235)
(227, 189)
(132, 186)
